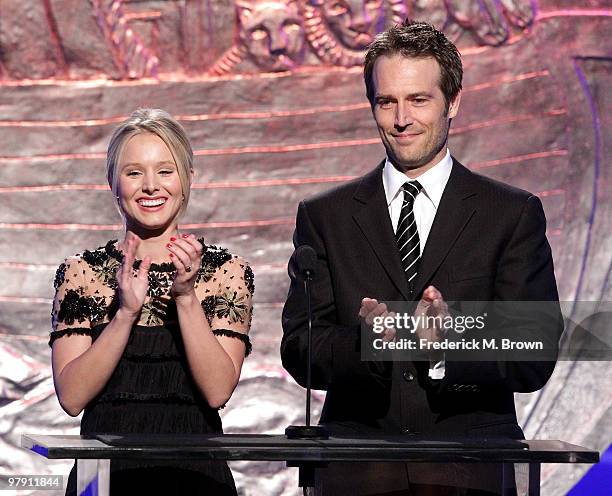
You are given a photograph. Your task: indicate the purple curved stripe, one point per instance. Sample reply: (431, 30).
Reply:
(596, 171)
(596, 163)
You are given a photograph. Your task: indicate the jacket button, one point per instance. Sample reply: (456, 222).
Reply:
(408, 377)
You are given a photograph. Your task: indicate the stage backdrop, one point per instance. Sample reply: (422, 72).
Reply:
(271, 94)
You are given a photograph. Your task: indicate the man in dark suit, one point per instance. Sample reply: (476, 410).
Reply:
(447, 235)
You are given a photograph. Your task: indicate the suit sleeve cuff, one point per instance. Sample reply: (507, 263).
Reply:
(437, 370)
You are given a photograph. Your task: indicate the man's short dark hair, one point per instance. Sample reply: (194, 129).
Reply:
(416, 40)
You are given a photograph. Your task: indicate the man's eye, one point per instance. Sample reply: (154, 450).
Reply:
(384, 103)
(420, 101)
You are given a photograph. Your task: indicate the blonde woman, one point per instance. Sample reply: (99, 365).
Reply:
(150, 332)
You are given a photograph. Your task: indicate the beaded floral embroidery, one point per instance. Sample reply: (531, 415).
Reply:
(231, 306)
(77, 307)
(159, 308)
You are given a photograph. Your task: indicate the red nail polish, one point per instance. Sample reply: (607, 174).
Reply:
(171, 255)
(172, 238)
(185, 235)
(169, 245)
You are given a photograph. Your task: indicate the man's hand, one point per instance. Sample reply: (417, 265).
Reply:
(431, 305)
(370, 309)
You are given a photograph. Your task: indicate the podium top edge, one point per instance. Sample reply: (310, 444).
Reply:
(278, 448)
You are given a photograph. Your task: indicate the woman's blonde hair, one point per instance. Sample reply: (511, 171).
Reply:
(164, 126)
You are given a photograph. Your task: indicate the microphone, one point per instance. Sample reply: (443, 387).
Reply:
(306, 258)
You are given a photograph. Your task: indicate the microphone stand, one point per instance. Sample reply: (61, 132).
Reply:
(309, 349)
(305, 259)
(307, 431)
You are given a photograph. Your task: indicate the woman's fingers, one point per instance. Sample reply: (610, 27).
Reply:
(185, 252)
(177, 263)
(126, 272)
(180, 258)
(132, 244)
(188, 248)
(143, 271)
(128, 261)
(195, 244)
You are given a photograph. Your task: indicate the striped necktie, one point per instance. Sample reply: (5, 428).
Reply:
(407, 235)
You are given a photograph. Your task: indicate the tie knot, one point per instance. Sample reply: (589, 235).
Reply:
(412, 188)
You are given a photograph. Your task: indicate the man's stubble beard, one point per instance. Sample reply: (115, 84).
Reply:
(416, 164)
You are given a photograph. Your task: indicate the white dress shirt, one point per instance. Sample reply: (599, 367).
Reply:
(425, 207)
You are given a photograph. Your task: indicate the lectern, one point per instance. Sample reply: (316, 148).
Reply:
(94, 454)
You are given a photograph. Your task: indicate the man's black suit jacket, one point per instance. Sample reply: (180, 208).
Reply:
(487, 242)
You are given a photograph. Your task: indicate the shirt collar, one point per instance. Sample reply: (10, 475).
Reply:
(433, 181)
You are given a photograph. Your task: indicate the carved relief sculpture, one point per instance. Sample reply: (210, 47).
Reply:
(130, 55)
(490, 21)
(71, 39)
(340, 30)
(269, 33)
(38, 40)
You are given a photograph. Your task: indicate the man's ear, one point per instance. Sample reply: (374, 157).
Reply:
(453, 107)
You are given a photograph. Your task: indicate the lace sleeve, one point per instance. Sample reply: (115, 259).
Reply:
(230, 310)
(73, 310)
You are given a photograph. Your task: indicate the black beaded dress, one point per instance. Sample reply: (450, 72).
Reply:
(151, 390)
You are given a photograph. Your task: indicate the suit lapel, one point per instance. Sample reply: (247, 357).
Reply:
(371, 215)
(453, 214)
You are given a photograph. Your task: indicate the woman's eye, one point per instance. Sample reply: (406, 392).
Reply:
(132, 173)
(166, 172)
